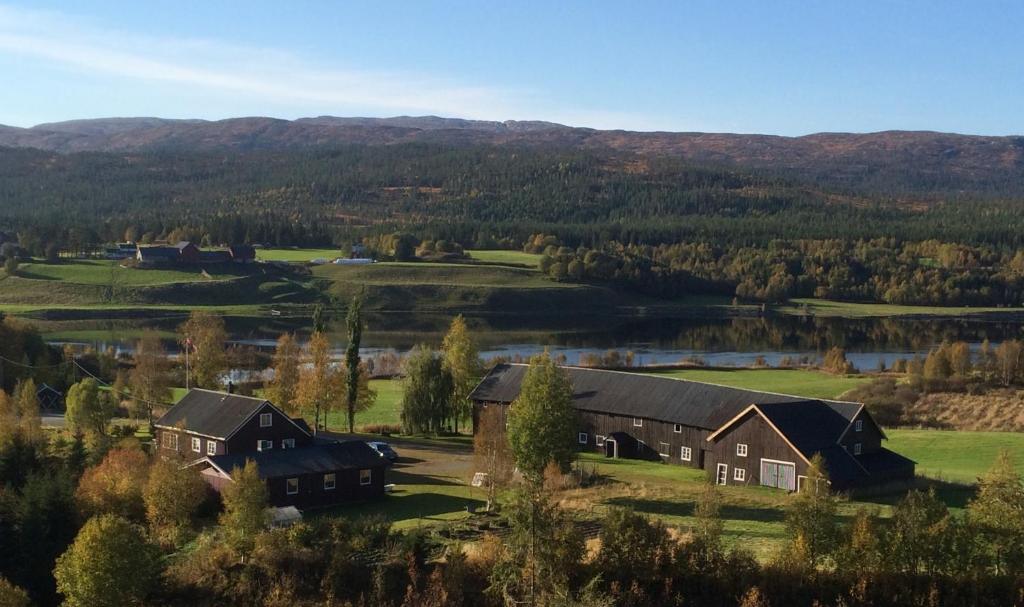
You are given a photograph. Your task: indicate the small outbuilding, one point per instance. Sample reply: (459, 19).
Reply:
(51, 400)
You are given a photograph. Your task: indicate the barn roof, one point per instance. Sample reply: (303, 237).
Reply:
(159, 252)
(812, 425)
(314, 459)
(677, 401)
(214, 414)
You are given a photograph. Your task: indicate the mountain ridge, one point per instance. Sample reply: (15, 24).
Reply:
(927, 161)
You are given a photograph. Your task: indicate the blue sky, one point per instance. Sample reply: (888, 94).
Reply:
(787, 68)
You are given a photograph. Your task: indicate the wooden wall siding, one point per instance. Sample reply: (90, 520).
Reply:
(312, 493)
(869, 437)
(762, 442)
(245, 438)
(652, 433)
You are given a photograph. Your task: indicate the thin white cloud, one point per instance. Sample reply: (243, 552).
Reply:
(274, 76)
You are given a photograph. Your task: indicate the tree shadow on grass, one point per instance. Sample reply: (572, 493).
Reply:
(672, 508)
(954, 495)
(398, 477)
(33, 276)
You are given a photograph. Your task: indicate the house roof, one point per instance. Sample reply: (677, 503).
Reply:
(213, 414)
(161, 252)
(319, 458)
(183, 244)
(242, 250)
(678, 401)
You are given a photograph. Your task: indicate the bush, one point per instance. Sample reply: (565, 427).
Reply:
(384, 429)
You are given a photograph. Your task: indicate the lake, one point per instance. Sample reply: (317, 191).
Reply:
(716, 341)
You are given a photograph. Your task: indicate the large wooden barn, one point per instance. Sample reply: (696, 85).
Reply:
(219, 431)
(740, 436)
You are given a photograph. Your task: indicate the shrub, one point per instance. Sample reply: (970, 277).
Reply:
(385, 429)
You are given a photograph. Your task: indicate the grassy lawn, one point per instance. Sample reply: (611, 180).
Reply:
(824, 307)
(438, 274)
(386, 410)
(105, 272)
(799, 382)
(954, 455)
(507, 257)
(297, 255)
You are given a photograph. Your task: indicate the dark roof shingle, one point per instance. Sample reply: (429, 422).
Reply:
(678, 401)
(215, 414)
(305, 460)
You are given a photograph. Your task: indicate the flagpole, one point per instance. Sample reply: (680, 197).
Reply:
(188, 374)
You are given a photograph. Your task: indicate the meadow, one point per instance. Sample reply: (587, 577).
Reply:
(110, 273)
(497, 256)
(798, 382)
(298, 255)
(954, 455)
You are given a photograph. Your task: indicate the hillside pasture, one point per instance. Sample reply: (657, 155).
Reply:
(495, 256)
(954, 455)
(798, 382)
(298, 255)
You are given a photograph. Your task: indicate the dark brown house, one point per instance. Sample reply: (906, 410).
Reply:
(242, 253)
(698, 425)
(323, 474)
(205, 423)
(218, 431)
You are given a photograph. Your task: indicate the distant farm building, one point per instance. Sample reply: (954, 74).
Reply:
(187, 253)
(742, 437)
(218, 432)
(50, 400)
(242, 253)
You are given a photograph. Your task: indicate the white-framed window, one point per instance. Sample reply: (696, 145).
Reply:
(678, 428)
(741, 450)
(663, 449)
(638, 422)
(685, 453)
(288, 443)
(211, 447)
(599, 440)
(365, 477)
(292, 486)
(169, 440)
(858, 425)
(264, 445)
(856, 448)
(266, 420)
(197, 445)
(329, 482)
(739, 474)
(582, 438)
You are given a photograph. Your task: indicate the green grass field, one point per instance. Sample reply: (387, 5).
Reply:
(386, 410)
(105, 272)
(953, 455)
(845, 309)
(799, 382)
(507, 257)
(297, 255)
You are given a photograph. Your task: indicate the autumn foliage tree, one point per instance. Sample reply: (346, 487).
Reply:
(245, 507)
(149, 380)
(172, 495)
(320, 383)
(204, 336)
(115, 485)
(282, 389)
(541, 421)
(110, 564)
(462, 361)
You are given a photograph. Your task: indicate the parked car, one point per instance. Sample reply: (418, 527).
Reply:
(384, 450)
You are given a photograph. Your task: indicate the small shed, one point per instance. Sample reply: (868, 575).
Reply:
(50, 399)
(188, 252)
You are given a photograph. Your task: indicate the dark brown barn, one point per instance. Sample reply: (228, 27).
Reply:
(187, 252)
(308, 477)
(242, 253)
(691, 424)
